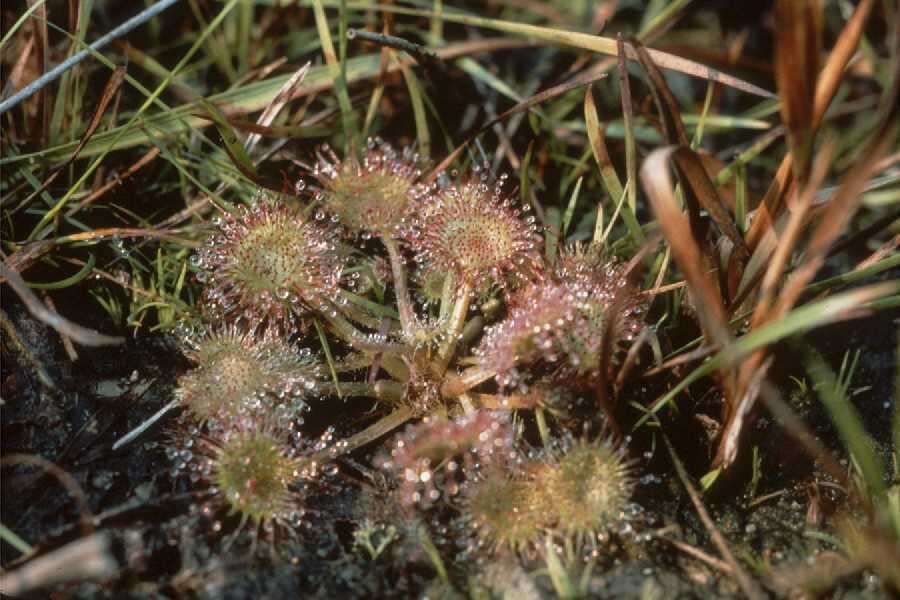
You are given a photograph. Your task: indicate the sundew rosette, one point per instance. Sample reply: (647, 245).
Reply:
(563, 323)
(258, 470)
(475, 232)
(241, 373)
(370, 195)
(499, 511)
(268, 265)
(431, 459)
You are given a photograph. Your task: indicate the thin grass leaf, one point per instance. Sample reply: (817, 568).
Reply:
(235, 148)
(32, 8)
(704, 115)
(244, 17)
(570, 209)
(246, 99)
(338, 72)
(538, 98)
(11, 538)
(628, 126)
(847, 421)
(423, 136)
(326, 348)
(68, 281)
(64, 66)
(854, 276)
(216, 46)
(42, 45)
(583, 41)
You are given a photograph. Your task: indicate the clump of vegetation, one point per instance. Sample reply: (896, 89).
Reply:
(449, 301)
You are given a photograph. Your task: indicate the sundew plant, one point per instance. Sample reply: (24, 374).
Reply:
(477, 300)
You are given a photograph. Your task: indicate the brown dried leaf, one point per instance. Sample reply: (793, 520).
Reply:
(109, 92)
(660, 188)
(666, 104)
(829, 79)
(798, 44)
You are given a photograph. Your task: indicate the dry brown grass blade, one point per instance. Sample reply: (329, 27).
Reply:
(832, 223)
(42, 46)
(598, 146)
(98, 193)
(284, 95)
(837, 214)
(628, 120)
(86, 558)
(659, 186)
(787, 239)
(657, 182)
(82, 335)
(666, 104)
(798, 44)
(698, 188)
(827, 85)
(109, 92)
(695, 179)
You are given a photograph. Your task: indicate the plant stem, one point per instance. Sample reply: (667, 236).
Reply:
(401, 290)
(356, 338)
(383, 389)
(460, 384)
(381, 427)
(544, 431)
(447, 295)
(455, 327)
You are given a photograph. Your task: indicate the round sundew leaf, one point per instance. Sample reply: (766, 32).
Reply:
(268, 266)
(473, 231)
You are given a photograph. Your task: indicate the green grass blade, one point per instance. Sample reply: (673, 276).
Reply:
(338, 71)
(833, 395)
(423, 136)
(15, 26)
